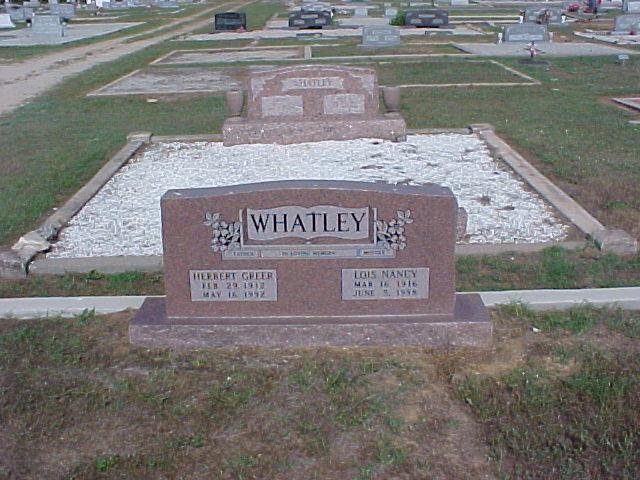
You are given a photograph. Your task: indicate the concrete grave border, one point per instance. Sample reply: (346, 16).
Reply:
(626, 298)
(100, 91)
(23, 258)
(629, 102)
(161, 59)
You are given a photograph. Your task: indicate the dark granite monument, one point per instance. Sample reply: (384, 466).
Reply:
(230, 21)
(310, 263)
(431, 17)
(311, 103)
(308, 19)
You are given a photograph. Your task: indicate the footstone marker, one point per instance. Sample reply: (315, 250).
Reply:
(44, 26)
(427, 18)
(380, 36)
(625, 24)
(525, 32)
(310, 263)
(631, 6)
(230, 21)
(312, 103)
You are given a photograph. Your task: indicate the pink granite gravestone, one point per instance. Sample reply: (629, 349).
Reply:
(309, 263)
(311, 104)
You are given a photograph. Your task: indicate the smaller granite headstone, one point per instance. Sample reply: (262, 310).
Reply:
(525, 32)
(47, 26)
(380, 36)
(626, 24)
(65, 11)
(459, 3)
(5, 21)
(361, 12)
(390, 12)
(19, 13)
(544, 16)
(631, 6)
(427, 18)
(230, 21)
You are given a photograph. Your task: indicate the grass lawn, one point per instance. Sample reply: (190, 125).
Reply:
(80, 402)
(553, 268)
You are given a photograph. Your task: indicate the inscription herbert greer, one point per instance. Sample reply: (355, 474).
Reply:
(233, 285)
(385, 283)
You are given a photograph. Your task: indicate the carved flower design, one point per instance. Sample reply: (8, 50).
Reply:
(226, 236)
(391, 234)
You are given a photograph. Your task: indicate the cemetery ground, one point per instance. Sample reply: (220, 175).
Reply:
(557, 396)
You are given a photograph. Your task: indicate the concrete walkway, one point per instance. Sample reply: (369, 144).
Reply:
(27, 79)
(627, 298)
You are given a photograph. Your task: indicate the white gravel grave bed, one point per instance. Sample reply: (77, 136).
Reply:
(123, 218)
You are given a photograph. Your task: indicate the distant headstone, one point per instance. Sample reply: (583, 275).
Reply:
(459, 3)
(5, 21)
(304, 19)
(312, 103)
(32, 4)
(309, 264)
(361, 12)
(544, 15)
(631, 6)
(390, 12)
(427, 18)
(380, 36)
(47, 26)
(525, 32)
(63, 10)
(625, 24)
(230, 21)
(19, 13)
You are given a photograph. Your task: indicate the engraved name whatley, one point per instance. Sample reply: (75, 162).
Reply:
(307, 223)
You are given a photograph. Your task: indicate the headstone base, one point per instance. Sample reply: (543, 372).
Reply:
(238, 131)
(469, 326)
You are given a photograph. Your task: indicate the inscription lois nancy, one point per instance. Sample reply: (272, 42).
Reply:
(385, 283)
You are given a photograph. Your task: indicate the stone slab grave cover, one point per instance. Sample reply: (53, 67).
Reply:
(376, 37)
(311, 103)
(310, 263)
(46, 26)
(537, 15)
(309, 19)
(625, 24)
(428, 17)
(230, 21)
(5, 21)
(631, 6)
(525, 32)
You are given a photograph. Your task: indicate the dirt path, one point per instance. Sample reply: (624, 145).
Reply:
(34, 76)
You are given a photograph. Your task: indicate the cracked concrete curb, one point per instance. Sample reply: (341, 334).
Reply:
(627, 298)
(613, 241)
(15, 264)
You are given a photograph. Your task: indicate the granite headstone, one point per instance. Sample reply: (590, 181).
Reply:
(230, 21)
(625, 24)
(305, 19)
(525, 32)
(631, 6)
(310, 103)
(5, 21)
(307, 264)
(65, 11)
(427, 18)
(544, 15)
(380, 36)
(46, 26)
